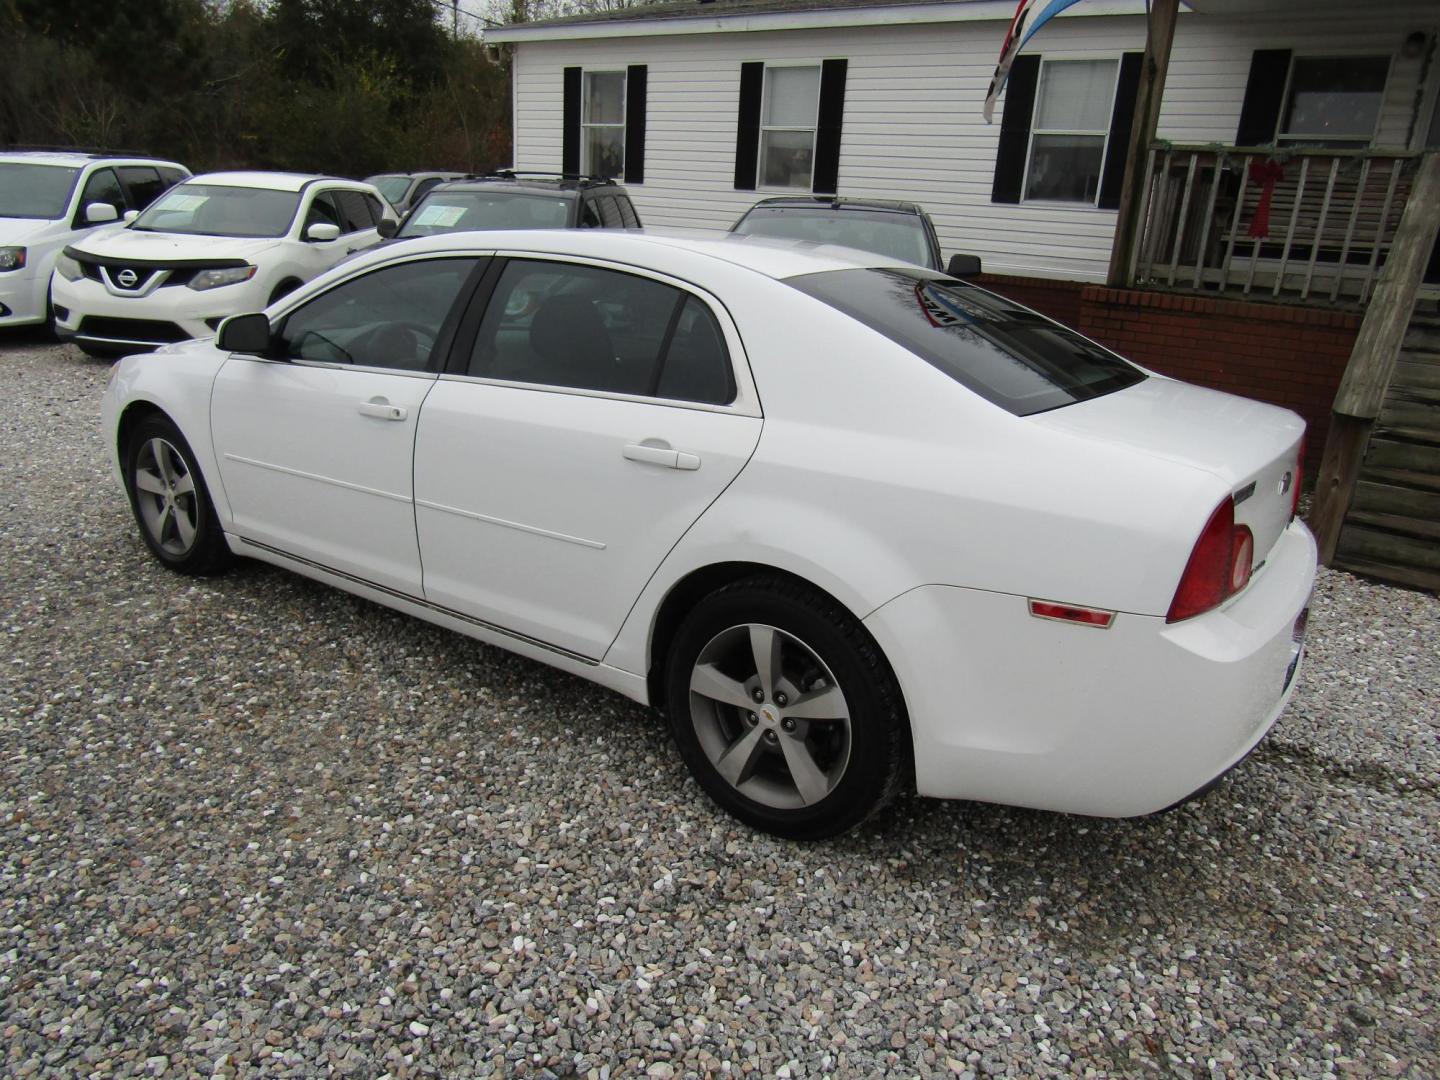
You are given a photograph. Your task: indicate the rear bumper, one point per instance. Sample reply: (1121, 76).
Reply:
(1118, 722)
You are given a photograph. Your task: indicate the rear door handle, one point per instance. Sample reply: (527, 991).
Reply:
(383, 410)
(661, 455)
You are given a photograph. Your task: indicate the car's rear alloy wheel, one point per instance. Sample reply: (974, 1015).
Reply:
(784, 709)
(170, 500)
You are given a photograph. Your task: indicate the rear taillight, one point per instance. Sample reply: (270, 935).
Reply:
(1219, 565)
(1299, 478)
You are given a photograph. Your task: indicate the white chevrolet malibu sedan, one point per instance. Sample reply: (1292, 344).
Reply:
(853, 526)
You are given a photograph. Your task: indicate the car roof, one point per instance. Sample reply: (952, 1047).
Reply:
(772, 257)
(274, 181)
(550, 183)
(423, 174)
(833, 202)
(79, 158)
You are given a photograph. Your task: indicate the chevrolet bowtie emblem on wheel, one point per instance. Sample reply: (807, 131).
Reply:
(127, 278)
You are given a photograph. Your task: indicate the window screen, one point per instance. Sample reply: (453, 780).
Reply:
(1072, 122)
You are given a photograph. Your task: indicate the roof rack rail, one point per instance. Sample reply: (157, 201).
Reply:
(517, 174)
(92, 151)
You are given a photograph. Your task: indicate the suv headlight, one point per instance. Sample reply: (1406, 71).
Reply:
(213, 279)
(68, 268)
(11, 258)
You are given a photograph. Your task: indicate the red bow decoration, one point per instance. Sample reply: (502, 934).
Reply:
(1266, 174)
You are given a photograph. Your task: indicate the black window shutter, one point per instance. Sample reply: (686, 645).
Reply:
(635, 80)
(1264, 97)
(747, 136)
(827, 127)
(1122, 118)
(1015, 130)
(570, 142)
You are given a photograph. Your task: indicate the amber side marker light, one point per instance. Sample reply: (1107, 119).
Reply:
(1044, 609)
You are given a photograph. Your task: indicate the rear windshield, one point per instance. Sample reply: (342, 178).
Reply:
(392, 187)
(895, 236)
(1007, 354)
(35, 191)
(453, 211)
(220, 210)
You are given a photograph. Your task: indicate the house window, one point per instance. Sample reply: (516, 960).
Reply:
(603, 124)
(788, 116)
(1333, 100)
(1069, 131)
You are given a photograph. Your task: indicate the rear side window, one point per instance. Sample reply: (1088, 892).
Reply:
(610, 213)
(628, 216)
(1007, 354)
(171, 177)
(558, 324)
(142, 184)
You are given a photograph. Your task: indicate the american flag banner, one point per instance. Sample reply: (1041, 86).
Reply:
(1030, 15)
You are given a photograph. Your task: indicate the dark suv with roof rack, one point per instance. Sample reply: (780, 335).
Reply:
(512, 199)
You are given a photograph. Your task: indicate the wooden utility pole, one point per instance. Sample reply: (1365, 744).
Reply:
(1372, 362)
(1158, 39)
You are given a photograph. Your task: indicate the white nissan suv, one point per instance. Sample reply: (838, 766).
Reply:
(214, 246)
(49, 199)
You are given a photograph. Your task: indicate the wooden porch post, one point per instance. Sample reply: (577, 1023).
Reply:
(1372, 362)
(1142, 133)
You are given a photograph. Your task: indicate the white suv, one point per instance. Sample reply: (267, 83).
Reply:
(214, 246)
(49, 200)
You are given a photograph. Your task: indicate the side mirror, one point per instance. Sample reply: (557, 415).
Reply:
(322, 231)
(963, 266)
(131, 215)
(245, 334)
(387, 228)
(99, 213)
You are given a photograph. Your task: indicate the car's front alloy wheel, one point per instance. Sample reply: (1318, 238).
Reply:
(170, 500)
(784, 709)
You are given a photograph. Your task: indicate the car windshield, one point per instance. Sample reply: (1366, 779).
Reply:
(35, 191)
(454, 211)
(220, 210)
(880, 232)
(1006, 353)
(392, 187)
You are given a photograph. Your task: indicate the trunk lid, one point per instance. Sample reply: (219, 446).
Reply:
(1251, 446)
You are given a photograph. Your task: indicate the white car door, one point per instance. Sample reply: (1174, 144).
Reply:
(596, 416)
(331, 206)
(315, 441)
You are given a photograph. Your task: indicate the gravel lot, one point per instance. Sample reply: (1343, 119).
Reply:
(252, 826)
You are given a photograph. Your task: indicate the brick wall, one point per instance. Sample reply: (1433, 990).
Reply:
(1290, 356)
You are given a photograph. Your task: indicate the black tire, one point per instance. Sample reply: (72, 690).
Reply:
(170, 501)
(99, 352)
(285, 288)
(853, 765)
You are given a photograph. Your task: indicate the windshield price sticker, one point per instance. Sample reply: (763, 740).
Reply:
(443, 216)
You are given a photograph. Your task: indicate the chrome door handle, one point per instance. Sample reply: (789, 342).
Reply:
(383, 410)
(649, 454)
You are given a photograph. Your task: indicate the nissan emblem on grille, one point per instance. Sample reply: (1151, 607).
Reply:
(127, 277)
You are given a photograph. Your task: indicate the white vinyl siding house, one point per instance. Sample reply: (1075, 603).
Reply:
(915, 78)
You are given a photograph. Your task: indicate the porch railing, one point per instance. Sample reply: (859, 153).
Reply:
(1305, 224)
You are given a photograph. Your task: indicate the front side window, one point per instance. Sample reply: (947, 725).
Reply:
(1069, 131)
(1334, 101)
(589, 328)
(220, 210)
(35, 191)
(103, 187)
(1007, 354)
(788, 113)
(602, 124)
(389, 318)
(452, 211)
